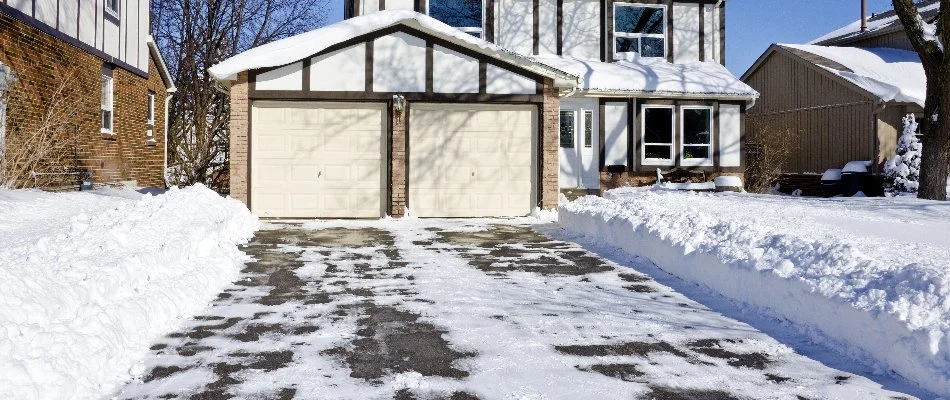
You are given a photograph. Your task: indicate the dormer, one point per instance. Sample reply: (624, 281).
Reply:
(605, 30)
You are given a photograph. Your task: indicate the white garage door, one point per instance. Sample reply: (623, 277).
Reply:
(318, 160)
(471, 161)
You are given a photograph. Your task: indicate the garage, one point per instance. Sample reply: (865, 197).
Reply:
(318, 160)
(469, 160)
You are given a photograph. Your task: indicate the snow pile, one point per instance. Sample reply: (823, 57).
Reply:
(856, 167)
(870, 275)
(903, 170)
(87, 281)
(652, 75)
(890, 74)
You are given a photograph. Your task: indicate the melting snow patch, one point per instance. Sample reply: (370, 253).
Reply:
(88, 280)
(871, 276)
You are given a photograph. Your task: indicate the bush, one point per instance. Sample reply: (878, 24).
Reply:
(902, 171)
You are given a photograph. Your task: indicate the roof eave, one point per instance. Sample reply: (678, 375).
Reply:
(667, 95)
(162, 67)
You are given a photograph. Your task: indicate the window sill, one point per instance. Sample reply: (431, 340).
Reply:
(697, 163)
(151, 142)
(657, 162)
(107, 135)
(111, 16)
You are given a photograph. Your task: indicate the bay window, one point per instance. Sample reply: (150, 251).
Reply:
(657, 134)
(696, 128)
(640, 28)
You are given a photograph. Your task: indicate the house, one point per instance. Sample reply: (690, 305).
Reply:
(465, 108)
(95, 57)
(844, 95)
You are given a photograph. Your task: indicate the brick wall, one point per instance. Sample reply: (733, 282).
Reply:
(41, 63)
(550, 146)
(238, 143)
(397, 166)
(635, 179)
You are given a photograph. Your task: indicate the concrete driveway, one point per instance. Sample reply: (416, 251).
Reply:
(418, 309)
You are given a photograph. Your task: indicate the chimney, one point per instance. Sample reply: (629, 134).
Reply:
(864, 15)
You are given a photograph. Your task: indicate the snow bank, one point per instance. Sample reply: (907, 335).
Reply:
(88, 281)
(870, 275)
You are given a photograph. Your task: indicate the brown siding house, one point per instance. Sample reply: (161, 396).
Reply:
(94, 69)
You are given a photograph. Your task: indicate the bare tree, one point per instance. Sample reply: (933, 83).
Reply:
(197, 34)
(38, 138)
(928, 40)
(770, 147)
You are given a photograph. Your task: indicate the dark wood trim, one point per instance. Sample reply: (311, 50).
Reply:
(306, 74)
(669, 30)
(560, 27)
(106, 15)
(535, 26)
(722, 34)
(715, 139)
(489, 32)
(601, 109)
(420, 6)
(677, 134)
(603, 30)
(295, 95)
(539, 156)
(57, 16)
(631, 134)
(382, 5)
(406, 163)
(34, 23)
(482, 77)
(430, 68)
(368, 67)
(637, 135)
(702, 32)
(78, 17)
(609, 24)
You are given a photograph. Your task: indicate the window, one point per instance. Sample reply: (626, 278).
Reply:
(640, 28)
(150, 113)
(112, 7)
(658, 135)
(106, 107)
(588, 128)
(466, 15)
(567, 129)
(697, 135)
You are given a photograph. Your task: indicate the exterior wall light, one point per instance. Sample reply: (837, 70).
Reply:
(399, 104)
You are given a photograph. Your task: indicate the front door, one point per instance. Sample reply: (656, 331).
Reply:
(579, 135)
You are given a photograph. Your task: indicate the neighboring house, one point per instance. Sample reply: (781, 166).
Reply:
(103, 50)
(468, 108)
(844, 94)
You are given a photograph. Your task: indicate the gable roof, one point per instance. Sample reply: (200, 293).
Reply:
(305, 45)
(889, 75)
(878, 24)
(649, 76)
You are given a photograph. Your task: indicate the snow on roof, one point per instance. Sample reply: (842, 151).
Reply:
(296, 48)
(652, 75)
(876, 23)
(890, 74)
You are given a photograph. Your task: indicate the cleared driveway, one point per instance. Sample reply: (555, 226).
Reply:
(465, 309)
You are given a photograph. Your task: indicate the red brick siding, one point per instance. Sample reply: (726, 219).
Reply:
(41, 62)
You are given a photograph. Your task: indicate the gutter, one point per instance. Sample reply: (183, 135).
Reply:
(169, 94)
(663, 95)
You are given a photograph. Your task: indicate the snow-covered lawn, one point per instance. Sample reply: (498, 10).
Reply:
(89, 280)
(871, 275)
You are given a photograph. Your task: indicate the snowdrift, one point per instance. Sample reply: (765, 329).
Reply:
(88, 281)
(872, 276)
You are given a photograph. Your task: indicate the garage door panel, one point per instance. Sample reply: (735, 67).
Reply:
(320, 160)
(466, 161)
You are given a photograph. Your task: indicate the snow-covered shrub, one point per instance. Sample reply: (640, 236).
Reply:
(903, 170)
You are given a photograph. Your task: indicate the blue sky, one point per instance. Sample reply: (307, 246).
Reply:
(752, 25)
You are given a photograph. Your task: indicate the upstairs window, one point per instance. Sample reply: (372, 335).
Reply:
(640, 28)
(112, 7)
(107, 104)
(466, 15)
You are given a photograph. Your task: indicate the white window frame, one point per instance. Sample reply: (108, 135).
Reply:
(469, 29)
(150, 121)
(638, 36)
(643, 134)
(110, 107)
(112, 12)
(696, 162)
